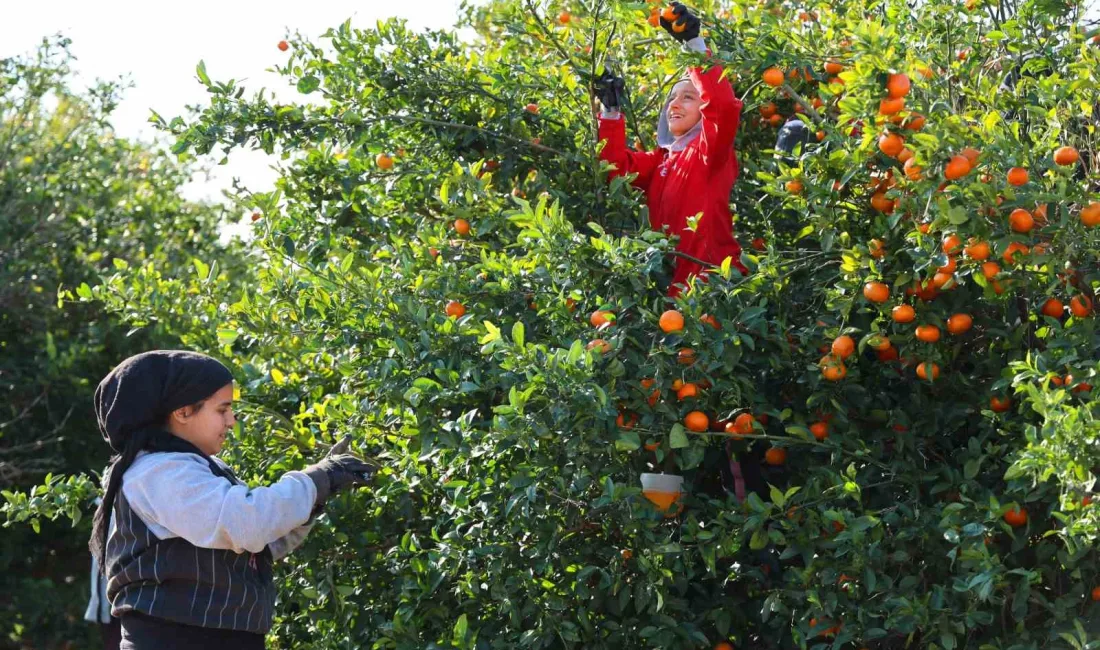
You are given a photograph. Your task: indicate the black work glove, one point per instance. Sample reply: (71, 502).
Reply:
(609, 90)
(685, 25)
(338, 471)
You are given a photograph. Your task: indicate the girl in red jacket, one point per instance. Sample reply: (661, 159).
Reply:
(694, 167)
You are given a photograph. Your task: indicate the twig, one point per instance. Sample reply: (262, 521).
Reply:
(805, 104)
(23, 414)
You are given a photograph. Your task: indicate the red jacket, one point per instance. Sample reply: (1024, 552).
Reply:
(679, 185)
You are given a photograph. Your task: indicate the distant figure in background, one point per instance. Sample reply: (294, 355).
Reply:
(794, 133)
(99, 608)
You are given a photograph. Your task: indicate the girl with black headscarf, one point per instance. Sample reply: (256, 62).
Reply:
(187, 548)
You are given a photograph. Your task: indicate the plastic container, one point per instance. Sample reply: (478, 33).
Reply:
(662, 489)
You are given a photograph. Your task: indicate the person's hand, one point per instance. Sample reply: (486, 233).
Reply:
(681, 23)
(339, 471)
(609, 90)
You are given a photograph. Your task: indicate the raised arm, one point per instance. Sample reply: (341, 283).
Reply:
(721, 110)
(720, 107)
(626, 161)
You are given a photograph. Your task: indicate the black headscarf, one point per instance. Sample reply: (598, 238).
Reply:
(132, 404)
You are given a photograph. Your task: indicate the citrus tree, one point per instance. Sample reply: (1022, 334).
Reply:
(905, 377)
(76, 201)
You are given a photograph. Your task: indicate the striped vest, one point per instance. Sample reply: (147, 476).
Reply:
(173, 579)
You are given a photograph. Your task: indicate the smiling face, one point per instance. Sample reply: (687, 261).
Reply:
(205, 424)
(683, 108)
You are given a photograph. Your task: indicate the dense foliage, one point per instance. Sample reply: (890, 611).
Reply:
(442, 234)
(75, 202)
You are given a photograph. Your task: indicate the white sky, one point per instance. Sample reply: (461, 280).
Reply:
(158, 48)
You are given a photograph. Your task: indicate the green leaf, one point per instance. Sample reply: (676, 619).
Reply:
(628, 441)
(677, 438)
(970, 470)
(200, 70)
(517, 334)
(308, 84)
(759, 539)
(778, 498)
(227, 336)
(492, 333)
(202, 269)
(277, 376)
(84, 291)
(460, 630)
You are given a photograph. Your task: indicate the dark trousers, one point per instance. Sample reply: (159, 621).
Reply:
(141, 632)
(111, 633)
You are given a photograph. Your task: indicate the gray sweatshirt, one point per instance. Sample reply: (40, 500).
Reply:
(189, 546)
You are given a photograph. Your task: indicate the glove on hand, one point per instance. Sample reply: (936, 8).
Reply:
(609, 90)
(684, 26)
(338, 471)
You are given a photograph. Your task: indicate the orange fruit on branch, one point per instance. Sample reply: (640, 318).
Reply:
(600, 318)
(671, 321)
(891, 144)
(599, 345)
(1013, 252)
(880, 202)
(710, 320)
(1021, 220)
(283, 46)
(1053, 308)
(455, 309)
(742, 424)
(834, 371)
(977, 250)
(951, 244)
(820, 430)
(959, 323)
(384, 161)
(1017, 176)
(990, 270)
(1081, 306)
(927, 333)
(876, 292)
(915, 122)
(843, 346)
(956, 168)
(999, 404)
(462, 227)
(889, 353)
(686, 356)
(1016, 517)
(775, 456)
(1090, 215)
(833, 68)
(687, 391)
(1066, 156)
(897, 85)
(903, 314)
(697, 421)
(891, 106)
(928, 371)
(773, 77)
